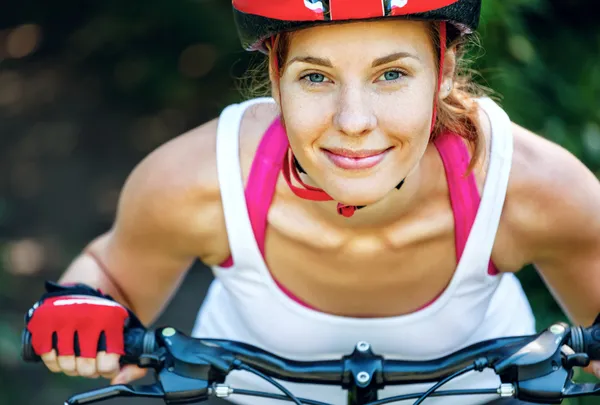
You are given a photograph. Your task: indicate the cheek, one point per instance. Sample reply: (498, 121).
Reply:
(305, 116)
(408, 112)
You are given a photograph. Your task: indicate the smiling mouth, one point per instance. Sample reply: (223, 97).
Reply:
(356, 159)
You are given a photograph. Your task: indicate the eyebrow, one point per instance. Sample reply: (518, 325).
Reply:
(314, 60)
(393, 57)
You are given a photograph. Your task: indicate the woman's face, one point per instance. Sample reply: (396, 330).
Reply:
(357, 102)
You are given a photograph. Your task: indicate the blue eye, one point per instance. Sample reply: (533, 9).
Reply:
(391, 75)
(315, 77)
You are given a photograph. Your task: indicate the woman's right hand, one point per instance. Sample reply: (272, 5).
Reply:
(103, 365)
(66, 326)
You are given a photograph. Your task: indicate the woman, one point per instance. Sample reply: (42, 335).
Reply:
(374, 197)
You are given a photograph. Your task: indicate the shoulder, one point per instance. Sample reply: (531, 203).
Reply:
(255, 122)
(171, 198)
(552, 199)
(173, 195)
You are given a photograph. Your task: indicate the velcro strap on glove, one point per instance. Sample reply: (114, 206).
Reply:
(75, 316)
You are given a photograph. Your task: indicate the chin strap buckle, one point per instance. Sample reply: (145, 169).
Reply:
(346, 210)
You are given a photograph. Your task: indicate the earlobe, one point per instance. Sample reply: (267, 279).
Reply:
(275, 91)
(446, 90)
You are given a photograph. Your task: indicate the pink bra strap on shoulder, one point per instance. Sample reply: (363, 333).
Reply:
(260, 189)
(262, 181)
(464, 195)
(263, 177)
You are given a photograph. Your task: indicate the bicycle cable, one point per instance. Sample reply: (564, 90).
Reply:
(275, 396)
(444, 381)
(479, 365)
(270, 380)
(447, 393)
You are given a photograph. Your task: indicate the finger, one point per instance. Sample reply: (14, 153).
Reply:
(596, 368)
(65, 344)
(128, 374)
(107, 364)
(137, 373)
(86, 367)
(67, 365)
(41, 340)
(51, 361)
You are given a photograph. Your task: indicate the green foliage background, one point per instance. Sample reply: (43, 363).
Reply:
(104, 83)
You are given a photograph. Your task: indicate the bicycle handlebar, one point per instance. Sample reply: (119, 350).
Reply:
(536, 368)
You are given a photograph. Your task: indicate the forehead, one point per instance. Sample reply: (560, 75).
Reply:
(363, 37)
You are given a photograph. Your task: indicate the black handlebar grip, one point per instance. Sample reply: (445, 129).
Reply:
(27, 352)
(136, 341)
(591, 341)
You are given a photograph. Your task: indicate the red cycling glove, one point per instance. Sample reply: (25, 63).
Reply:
(71, 319)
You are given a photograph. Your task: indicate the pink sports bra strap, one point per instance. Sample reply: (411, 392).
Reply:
(263, 177)
(464, 195)
(262, 181)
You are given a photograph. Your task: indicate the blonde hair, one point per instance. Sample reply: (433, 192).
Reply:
(458, 112)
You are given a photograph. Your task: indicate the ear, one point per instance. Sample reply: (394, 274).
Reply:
(274, 77)
(448, 72)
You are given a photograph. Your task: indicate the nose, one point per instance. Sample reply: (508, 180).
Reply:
(354, 115)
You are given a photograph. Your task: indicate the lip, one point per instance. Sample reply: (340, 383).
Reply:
(356, 159)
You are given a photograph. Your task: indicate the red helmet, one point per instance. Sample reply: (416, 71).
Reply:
(258, 20)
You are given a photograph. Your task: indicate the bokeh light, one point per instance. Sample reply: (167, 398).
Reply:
(24, 257)
(197, 60)
(23, 40)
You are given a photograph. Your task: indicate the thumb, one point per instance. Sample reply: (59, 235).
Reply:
(593, 368)
(596, 368)
(128, 373)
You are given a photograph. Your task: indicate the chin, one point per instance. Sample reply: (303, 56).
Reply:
(365, 191)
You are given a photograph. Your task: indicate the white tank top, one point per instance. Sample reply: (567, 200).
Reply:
(245, 304)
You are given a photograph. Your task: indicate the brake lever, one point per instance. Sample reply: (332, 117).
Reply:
(177, 381)
(173, 388)
(573, 389)
(120, 390)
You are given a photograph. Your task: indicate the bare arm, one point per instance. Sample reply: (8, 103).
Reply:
(560, 224)
(89, 268)
(169, 213)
